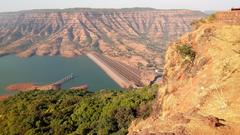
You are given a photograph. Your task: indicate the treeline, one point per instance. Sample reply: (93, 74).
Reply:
(74, 112)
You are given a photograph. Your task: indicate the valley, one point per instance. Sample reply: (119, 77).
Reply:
(135, 36)
(179, 69)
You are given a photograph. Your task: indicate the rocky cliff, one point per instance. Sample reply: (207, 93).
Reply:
(200, 93)
(132, 35)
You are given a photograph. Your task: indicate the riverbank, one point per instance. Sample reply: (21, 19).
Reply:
(3, 97)
(31, 87)
(21, 87)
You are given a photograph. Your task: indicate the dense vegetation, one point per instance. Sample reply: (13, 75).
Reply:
(74, 112)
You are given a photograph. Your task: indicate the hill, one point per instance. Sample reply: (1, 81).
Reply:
(201, 82)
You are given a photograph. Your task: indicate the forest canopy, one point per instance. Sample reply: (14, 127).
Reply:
(74, 111)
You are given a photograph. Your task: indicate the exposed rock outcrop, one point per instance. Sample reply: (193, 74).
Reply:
(200, 94)
(230, 17)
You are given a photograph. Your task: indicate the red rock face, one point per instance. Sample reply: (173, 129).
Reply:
(229, 17)
(133, 34)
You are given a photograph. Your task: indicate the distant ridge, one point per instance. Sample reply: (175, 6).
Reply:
(95, 10)
(209, 12)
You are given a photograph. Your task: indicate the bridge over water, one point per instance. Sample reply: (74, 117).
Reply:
(67, 78)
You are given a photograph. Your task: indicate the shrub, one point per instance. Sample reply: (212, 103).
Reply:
(211, 18)
(186, 51)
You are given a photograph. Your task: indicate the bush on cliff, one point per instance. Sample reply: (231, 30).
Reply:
(72, 112)
(186, 52)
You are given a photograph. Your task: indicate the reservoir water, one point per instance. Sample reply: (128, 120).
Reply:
(47, 69)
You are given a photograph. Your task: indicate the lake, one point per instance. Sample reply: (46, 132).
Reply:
(47, 69)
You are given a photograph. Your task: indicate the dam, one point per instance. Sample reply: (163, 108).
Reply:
(124, 75)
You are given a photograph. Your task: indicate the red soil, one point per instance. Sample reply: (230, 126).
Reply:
(3, 97)
(21, 87)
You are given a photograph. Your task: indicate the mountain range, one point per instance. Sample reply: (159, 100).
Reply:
(136, 35)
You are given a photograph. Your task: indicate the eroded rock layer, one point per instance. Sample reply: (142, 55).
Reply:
(136, 36)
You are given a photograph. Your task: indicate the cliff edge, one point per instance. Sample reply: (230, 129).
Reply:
(200, 93)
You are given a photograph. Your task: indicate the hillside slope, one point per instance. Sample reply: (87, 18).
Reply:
(125, 34)
(200, 94)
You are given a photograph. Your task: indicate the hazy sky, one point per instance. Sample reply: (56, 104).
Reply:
(14, 5)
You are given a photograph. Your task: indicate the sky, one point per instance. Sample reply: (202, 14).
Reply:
(16, 5)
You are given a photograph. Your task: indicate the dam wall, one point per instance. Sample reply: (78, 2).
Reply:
(118, 78)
